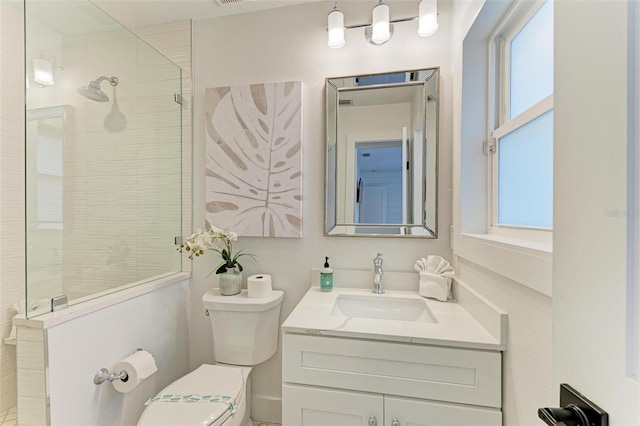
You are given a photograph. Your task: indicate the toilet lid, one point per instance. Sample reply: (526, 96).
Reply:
(205, 380)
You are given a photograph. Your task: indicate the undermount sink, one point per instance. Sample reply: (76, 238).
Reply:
(382, 308)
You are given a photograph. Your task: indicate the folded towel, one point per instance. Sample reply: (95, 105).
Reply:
(435, 265)
(435, 277)
(435, 286)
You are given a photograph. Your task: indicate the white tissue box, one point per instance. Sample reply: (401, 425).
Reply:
(435, 286)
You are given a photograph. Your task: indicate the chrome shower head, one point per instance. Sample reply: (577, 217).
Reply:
(93, 91)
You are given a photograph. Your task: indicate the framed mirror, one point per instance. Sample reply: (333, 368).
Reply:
(381, 154)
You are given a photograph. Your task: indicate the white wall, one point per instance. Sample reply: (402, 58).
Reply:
(290, 44)
(156, 322)
(595, 274)
(527, 382)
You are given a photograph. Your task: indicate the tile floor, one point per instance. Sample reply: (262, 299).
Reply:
(9, 417)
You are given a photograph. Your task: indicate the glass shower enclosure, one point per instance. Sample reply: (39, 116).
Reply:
(103, 156)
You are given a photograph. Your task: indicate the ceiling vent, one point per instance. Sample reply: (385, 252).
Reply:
(223, 3)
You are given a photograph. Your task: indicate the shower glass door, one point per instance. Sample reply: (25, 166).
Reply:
(103, 156)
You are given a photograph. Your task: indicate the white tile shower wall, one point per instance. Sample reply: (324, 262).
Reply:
(173, 40)
(128, 249)
(45, 244)
(32, 392)
(11, 187)
(245, 49)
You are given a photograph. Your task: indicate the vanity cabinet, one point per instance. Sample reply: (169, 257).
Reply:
(343, 381)
(317, 406)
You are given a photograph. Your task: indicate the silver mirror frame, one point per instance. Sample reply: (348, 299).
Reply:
(331, 227)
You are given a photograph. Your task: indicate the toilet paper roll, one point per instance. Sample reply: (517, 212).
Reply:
(138, 366)
(259, 285)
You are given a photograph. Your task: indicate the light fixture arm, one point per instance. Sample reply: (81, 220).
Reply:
(395, 21)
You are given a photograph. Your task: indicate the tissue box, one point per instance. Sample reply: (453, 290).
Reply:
(435, 286)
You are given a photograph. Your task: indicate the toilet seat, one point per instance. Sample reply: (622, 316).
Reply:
(205, 380)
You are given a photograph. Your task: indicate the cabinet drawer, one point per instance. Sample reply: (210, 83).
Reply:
(429, 372)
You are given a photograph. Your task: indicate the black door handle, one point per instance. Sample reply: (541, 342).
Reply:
(577, 410)
(571, 415)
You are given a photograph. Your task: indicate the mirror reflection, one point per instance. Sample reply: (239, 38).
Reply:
(381, 154)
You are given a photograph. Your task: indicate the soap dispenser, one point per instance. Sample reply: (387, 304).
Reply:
(326, 276)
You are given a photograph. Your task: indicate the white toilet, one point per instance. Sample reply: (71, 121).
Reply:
(245, 333)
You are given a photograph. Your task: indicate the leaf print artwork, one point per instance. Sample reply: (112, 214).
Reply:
(254, 159)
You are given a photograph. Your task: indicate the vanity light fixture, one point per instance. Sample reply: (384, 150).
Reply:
(381, 28)
(427, 18)
(380, 32)
(335, 25)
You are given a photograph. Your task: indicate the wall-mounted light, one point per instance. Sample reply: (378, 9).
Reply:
(427, 18)
(381, 28)
(380, 32)
(335, 25)
(42, 72)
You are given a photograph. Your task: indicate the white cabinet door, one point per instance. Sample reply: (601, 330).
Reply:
(413, 412)
(313, 406)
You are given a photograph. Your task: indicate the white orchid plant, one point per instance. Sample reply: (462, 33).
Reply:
(197, 244)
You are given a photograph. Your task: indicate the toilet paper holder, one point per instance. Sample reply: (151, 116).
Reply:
(103, 375)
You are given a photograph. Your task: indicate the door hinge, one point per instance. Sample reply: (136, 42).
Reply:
(489, 146)
(177, 98)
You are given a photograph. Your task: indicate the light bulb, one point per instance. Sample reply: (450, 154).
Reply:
(427, 18)
(380, 26)
(335, 26)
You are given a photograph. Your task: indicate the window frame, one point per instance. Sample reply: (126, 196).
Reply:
(498, 122)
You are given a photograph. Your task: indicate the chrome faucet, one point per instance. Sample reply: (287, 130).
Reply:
(377, 275)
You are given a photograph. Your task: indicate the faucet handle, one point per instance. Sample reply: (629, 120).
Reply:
(378, 260)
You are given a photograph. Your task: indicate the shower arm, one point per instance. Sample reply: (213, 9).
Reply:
(112, 80)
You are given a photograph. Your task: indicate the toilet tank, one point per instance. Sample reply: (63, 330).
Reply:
(245, 330)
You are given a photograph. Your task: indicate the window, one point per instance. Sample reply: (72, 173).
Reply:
(521, 142)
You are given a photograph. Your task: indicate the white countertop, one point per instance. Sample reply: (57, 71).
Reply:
(454, 327)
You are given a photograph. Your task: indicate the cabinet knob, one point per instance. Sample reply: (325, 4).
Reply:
(395, 422)
(373, 421)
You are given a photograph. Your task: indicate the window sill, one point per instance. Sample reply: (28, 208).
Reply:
(526, 262)
(534, 247)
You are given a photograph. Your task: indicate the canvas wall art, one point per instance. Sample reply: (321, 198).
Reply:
(254, 159)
